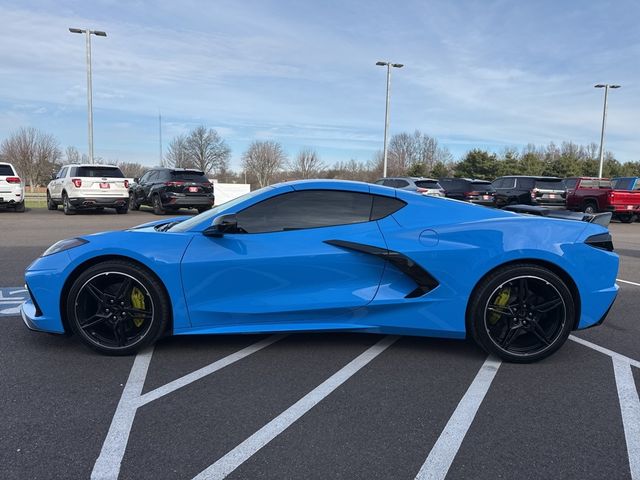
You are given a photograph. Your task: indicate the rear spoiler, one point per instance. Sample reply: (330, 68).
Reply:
(597, 218)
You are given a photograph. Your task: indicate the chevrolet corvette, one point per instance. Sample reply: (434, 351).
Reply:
(325, 255)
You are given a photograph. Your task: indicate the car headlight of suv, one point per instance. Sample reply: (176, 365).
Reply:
(63, 245)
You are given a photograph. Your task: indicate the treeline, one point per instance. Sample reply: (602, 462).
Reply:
(37, 155)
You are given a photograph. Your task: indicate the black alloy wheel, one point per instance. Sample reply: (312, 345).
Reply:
(133, 205)
(522, 313)
(51, 205)
(117, 308)
(158, 209)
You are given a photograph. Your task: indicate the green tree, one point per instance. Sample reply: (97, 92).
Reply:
(478, 163)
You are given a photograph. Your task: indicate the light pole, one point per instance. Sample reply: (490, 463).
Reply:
(606, 87)
(88, 34)
(386, 110)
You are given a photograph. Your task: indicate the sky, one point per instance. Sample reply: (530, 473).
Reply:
(489, 74)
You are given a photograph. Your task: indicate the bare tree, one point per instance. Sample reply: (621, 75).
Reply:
(417, 152)
(177, 155)
(207, 150)
(264, 159)
(307, 164)
(73, 156)
(33, 153)
(132, 169)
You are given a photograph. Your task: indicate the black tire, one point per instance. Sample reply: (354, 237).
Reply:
(203, 209)
(158, 209)
(590, 207)
(626, 218)
(122, 210)
(532, 323)
(67, 208)
(51, 205)
(103, 307)
(133, 205)
(20, 207)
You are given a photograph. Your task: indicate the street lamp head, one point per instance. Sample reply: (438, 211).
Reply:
(600, 85)
(99, 33)
(382, 64)
(397, 65)
(614, 86)
(76, 30)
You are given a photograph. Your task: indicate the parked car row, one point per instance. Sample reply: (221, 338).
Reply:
(620, 196)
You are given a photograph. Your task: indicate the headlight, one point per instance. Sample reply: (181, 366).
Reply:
(63, 245)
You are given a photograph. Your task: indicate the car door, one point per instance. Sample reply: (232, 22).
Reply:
(289, 266)
(138, 189)
(56, 186)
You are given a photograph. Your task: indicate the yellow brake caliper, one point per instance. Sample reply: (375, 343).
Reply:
(501, 300)
(137, 301)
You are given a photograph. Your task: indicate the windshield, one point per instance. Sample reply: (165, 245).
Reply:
(550, 184)
(189, 175)
(209, 214)
(427, 184)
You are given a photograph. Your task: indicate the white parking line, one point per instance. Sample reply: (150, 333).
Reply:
(606, 351)
(241, 453)
(627, 281)
(107, 466)
(630, 409)
(446, 447)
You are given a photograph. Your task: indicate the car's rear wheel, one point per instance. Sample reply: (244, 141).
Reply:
(522, 313)
(122, 210)
(203, 209)
(66, 205)
(51, 205)
(117, 308)
(158, 209)
(590, 208)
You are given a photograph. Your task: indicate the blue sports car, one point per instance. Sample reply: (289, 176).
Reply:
(331, 256)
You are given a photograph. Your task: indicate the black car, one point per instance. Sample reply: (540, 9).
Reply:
(167, 189)
(525, 190)
(468, 190)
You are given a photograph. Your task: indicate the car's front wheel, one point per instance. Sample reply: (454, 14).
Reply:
(522, 313)
(51, 205)
(117, 307)
(133, 204)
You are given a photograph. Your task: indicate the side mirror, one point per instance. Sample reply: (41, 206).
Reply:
(136, 180)
(221, 225)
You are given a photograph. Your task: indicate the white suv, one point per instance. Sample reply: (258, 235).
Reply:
(86, 186)
(11, 188)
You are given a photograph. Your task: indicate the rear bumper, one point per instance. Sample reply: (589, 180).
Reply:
(188, 200)
(93, 202)
(632, 209)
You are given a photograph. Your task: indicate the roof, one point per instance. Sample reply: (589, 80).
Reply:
(89, 165)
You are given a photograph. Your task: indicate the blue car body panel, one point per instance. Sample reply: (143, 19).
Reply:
(295, 280)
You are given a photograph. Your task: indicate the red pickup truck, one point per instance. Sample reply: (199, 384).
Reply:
(592, 195)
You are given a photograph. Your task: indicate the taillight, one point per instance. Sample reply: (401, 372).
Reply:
(206, 184)
(13, 179)
(421, 190)
(611, 195)
(173, 184)
(126, 184)
(471, 194)
(77, 182)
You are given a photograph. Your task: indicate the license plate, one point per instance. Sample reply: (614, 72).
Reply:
(486, 197)
(105, 185)
(552, 195)
(193, 189)
(629, 207)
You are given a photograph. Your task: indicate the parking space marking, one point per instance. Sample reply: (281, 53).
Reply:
(630, 409)
(627, 281)
(245, 450)
(606, 351)
(204, 371)
(446, 447)
(107, 466)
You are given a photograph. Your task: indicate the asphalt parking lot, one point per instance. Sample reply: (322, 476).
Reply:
(311, 405)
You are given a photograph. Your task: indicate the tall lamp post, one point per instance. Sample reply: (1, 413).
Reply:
(88, 34)
(606, 87)
(386, 110)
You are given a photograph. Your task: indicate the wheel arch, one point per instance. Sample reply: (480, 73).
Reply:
(562, 273)
(94, 261)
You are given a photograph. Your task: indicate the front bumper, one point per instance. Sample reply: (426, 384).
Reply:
(93, 202)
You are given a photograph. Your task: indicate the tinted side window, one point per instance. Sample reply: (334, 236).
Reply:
(526, 183)
(95, 172)
(401, 183)
(63, 172)
(389, 183)
(508, 182)
(306, 209)
(570, 182)
(384, 206)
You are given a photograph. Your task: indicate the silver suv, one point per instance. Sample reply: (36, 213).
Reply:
(424, 186)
